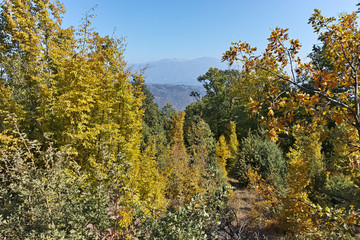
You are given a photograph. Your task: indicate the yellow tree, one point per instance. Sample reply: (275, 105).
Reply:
(311, 96)
(178, 162)
(295, 215)
(182, 178)
(331, 93)
(233, 144)
(30, 32)
(75, 91)
(151, 184)
(222, 153)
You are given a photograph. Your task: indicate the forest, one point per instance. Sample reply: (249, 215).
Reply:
(271, 151)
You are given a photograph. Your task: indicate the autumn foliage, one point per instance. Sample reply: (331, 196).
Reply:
(316, 104)
(85, 152)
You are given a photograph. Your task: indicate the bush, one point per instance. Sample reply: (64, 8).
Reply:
(263, 155)
(50, 201)
(341, 189)
(199, 219)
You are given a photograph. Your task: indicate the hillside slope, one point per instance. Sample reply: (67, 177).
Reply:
(177, 95)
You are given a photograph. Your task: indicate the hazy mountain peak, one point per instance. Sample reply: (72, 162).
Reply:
(179, 71)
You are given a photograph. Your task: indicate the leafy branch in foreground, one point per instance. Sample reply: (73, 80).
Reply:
(333, 91)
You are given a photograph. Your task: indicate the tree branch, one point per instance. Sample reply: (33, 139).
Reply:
(310, 90)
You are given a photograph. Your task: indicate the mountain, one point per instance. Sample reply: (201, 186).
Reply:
(178, 72)
(172, 80)
(177, 95)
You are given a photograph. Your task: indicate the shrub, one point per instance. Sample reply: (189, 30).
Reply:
(52, 201)
(341, 189)
(263, 155)
(199, 219)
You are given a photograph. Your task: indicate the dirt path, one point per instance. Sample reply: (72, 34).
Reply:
(243, 201)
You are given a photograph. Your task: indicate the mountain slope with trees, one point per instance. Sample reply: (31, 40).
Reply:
(179, 96)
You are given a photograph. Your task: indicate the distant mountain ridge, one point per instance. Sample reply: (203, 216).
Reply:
(177, 71)
(173, 80)
(176, 95)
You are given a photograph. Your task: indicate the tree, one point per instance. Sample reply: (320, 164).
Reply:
(220, 105)
(258, 153)
(181, 186)
(222, 153)
(335, 90)
(71, 89)
(155, 127)
(303, 157)
(32, 43)
(332, 90)
(318, 100)
(217, 101)
(233, 144)
(201, 148)
(151, 183)
(71, 92)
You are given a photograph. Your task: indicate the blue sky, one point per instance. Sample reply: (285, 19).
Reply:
(188, 29)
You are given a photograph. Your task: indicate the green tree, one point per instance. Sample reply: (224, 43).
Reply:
(201, 147)
(260, 154)
(219, 106)
(155, 127)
